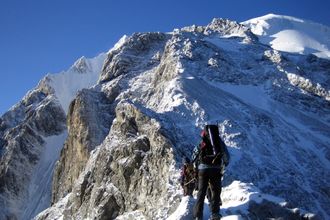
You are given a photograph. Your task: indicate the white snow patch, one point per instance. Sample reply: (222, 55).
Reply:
(40, 185)
(237, 195)
(184, 210)
(235, 199)
(292, 35)
(56, 211)
(173, 97)
(226, 44)
(120, 43)
(66, 84)
(253, 95)
(296, 42)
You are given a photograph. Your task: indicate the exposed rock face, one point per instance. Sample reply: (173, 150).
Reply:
(226, 27)
(22, 132)
(89, 121)
(81, 66)
(129, 171)
(132, 55)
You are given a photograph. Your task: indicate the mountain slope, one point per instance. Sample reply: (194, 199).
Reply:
(160, 89)
(32, 133)
(126, 135)
(291, 34)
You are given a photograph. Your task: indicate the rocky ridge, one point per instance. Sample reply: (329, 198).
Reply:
(127, 134)
(166, 76)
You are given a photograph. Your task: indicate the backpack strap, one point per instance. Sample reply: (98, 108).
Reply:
(195, 154)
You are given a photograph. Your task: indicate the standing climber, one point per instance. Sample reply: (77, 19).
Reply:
(212, 155)
(187, 177)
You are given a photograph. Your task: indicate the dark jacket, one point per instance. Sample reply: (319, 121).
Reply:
(200, 165)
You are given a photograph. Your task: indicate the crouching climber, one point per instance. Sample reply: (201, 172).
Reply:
(187, 179)
(212, 155)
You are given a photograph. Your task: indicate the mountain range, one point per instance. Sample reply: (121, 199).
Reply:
(105, 139)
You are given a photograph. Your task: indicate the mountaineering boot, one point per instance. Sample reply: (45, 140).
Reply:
(215, 216)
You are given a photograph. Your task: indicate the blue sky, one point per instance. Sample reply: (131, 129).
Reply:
(42, 36)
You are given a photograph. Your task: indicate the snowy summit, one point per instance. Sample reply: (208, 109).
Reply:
(293, 35)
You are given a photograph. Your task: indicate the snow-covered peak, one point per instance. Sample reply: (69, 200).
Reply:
(119, 44)
(223, 28)
(81, 65)
(226, 27)
(83, 73)
(290, 34)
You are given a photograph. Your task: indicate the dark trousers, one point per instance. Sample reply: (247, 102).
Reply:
(212, 178)
(188, 189)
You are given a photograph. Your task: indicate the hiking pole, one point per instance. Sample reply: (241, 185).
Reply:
(190, 181)
(216, 157)
(211, 139)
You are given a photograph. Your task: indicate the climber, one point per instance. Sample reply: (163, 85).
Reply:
(212, 156)
(187, 179)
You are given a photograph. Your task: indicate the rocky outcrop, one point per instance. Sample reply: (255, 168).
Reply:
(89, 121)
(129, 171)
(81, 66)
(226, 27)
(223, 27)
(131, 56)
